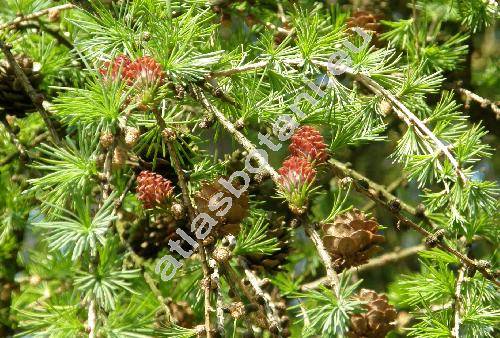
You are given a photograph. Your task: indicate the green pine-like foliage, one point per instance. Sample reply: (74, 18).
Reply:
(408, 144)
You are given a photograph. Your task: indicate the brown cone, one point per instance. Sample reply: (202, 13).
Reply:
(230, 222)
(378, 319)
(366, 20)
(13, 99)
(148, 237)
(182, 313)
(351, 239)
(369, 22)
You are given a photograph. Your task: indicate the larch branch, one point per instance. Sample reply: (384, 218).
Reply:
(409, 117)
(376, 262)
(191, 211)
(15, 140)
(36, 98)
(271, 312)
(412, 118)
(219, 305)
(233, 281)
(35, 15)
(331, 275)
(455, 332)
(240, 69)
(379, 190)
(390, 188)
(92, 319)
(237, 135)
(483, 102)
(55, 33)
(243, 141)
(38, 139)
(363, 186)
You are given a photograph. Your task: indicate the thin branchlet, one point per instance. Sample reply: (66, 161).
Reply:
(36, 15)
(457, 305)
(270, 310)
(36, 98)
(243, 99)
(373, 263)
(191, 212)
(343, 171)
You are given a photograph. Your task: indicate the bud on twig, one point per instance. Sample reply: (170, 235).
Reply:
(207, 121)
(239, 124)
(237, 310)
(364, 184)
(395, 205)
(180, 91)
(222, 254)
(200, 330)
(178, 211)
(54, 15)
(385, 107)
(345, 182)
(420, 210)
(168, 134)
(120, 156)
(106, 140)
(206, 283)
(261, 175)
(435, 238)
(483, 264)
(131, 136)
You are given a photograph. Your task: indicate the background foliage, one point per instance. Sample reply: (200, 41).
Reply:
(67, 248)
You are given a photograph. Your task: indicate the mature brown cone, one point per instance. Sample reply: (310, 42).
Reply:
(366, 20)
(272, 263)
(181, 312)
(149, 237)
(378, 319)
(230, 222)
(351, 239)
(13, 99)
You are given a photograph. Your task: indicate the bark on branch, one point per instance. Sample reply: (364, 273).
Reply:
(36, 98)
(364, 188)
(403, 112)
(271, 312)
(483, 102)
(237, 135)
(241, 139)
(331, 275)
(455, 332)
(379, 190)
(412, 118)
(372, 263)
(191, 211)
(32, 16)
(15, 140)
